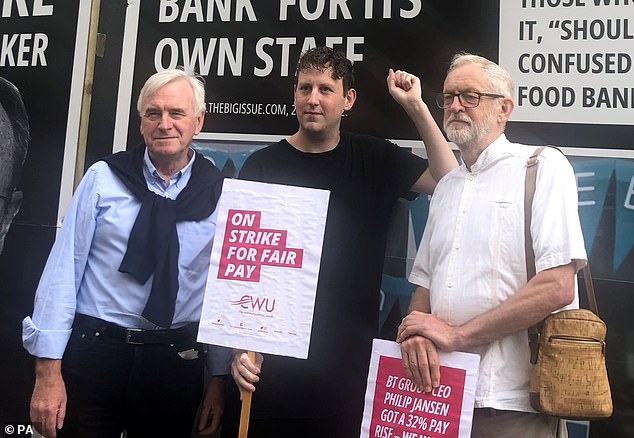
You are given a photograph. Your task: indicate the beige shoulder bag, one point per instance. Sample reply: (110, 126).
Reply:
(569, 378)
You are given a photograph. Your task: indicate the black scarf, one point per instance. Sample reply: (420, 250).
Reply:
(153, 243)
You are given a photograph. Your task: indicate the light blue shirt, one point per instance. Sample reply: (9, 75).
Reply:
(82, 272)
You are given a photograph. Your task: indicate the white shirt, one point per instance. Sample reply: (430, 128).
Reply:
(471, 257)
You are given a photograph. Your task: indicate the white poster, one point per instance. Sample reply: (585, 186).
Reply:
(571, 60)
(262, 281)
(395, 407)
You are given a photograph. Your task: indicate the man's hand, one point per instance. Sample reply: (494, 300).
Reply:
(48, 402)
(420, 335)
(444, 336)
(404, 87)
(213, 407)
(420, 360)
(244, 372)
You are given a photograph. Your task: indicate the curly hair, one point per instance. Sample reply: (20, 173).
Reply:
(322, 58)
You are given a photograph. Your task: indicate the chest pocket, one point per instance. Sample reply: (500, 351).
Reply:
(507, 237)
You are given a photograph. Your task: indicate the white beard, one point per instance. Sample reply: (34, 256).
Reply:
(471, 134)
(461, 135)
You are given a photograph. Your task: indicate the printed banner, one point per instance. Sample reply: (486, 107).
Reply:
(42, 63)
(593, 179)
(624, 234)
(261, 287)
(395, 407)
(571, 60)
(247, 52)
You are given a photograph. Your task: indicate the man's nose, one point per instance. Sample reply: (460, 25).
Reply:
(456, 104)
(166, 121)
(313, 97)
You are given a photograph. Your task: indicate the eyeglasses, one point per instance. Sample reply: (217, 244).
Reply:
(468, 99)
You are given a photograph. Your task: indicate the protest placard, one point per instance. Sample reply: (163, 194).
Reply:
(396, 408)
(260, 291)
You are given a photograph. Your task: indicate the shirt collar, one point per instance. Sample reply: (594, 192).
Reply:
(491, 154)
(182, 176)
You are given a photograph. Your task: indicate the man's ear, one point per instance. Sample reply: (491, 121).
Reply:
(200, 120)
(506, 108)
(351, 97)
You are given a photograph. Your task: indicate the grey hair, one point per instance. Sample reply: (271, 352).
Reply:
(164, 77)
(499, 79)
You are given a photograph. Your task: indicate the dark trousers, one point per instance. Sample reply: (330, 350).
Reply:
(294, 428)
(146, 390)
(514, 424)
(340, 426)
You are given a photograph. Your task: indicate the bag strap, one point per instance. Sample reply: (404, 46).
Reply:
(529, 193)
(592, 299)
(530, 183)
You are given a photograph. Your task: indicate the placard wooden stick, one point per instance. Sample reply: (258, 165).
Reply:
(245, 412)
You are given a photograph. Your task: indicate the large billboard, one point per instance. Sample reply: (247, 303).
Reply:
(42, 53)
(571, 60)
(247, 52)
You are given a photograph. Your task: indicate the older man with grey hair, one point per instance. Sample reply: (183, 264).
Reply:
(473, 294)
(117, 308)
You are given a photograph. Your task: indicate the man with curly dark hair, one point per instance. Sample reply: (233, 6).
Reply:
(323, 395)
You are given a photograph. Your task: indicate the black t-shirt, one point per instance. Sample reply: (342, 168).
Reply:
(365, 176)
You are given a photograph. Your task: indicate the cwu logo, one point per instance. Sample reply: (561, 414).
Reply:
(260, 304)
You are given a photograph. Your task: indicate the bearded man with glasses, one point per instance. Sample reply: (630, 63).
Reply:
(472, 292)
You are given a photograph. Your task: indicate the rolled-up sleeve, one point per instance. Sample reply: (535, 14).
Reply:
(46, 333)
(48, 344)
(218, 360)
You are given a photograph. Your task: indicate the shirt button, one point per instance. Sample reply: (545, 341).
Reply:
(450, 284)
